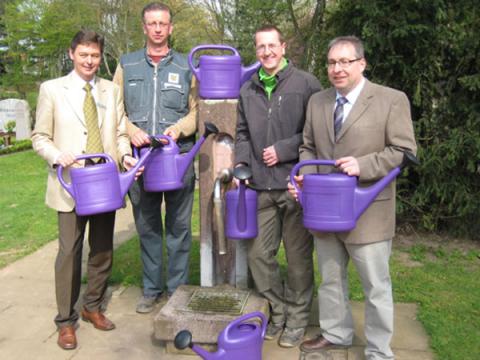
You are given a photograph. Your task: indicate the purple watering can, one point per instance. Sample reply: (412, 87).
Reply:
(240, 340)
(334, 202)
(99, 188)
(220, 76)
(165, 169)
(241, 208)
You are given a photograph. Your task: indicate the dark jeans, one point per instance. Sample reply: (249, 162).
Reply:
(147, 208)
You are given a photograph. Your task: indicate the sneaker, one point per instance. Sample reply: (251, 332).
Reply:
(291, 337)
(146, 304)
(273, 330)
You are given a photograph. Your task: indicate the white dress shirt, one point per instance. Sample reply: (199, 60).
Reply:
(352, 96)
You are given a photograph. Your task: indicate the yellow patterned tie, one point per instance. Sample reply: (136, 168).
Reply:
(94, 141)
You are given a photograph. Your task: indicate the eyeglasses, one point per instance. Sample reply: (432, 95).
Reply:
(263, 48)
(159, 24)
(343, 63)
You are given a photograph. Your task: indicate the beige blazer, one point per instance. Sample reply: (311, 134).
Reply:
(377, 129)
(60, 127)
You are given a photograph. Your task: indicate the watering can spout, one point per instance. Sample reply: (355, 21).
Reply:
(127, 178)
(242, 173)
(184, 160)
(207, 355)
(247, 72)
(365, 196)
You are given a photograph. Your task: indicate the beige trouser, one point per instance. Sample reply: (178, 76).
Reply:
(280, 217)
(371, 262)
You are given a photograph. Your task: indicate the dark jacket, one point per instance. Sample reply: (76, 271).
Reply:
(279, 122)
(156, 97)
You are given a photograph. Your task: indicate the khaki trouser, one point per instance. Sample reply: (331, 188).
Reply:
(336, 321)
(280, 217)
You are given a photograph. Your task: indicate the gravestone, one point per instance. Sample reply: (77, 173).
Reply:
(16, 110)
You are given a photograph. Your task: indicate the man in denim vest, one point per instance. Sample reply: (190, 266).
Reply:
(160, 98)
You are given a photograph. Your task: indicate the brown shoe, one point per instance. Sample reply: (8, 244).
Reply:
(66, 338)
(318, 344)
(98, 320)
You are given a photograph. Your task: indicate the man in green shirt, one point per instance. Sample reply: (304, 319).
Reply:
(271, 116)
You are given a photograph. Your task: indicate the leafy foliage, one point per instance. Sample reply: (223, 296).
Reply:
(38, 35)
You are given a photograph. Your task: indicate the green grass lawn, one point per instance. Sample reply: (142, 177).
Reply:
(25, 222)
(442, 279)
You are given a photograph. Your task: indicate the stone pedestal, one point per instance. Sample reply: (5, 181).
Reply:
(216, 155)
(205, 326)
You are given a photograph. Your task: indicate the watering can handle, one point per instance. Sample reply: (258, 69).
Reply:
(69, 187)
(165, 137)
(155, 144)
(245, 317)
(206, 47)
(302, 164)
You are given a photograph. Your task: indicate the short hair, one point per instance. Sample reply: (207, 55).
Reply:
(84, 37)
(351, 39)
(265, 28)
(156, 6)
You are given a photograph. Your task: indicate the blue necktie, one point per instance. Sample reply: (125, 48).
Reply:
(338, 115)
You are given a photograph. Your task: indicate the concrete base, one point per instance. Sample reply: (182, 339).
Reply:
(204, 327)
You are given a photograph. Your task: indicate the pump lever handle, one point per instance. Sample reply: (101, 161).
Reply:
(210, 128)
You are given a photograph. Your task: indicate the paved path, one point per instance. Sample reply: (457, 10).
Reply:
(27, 331)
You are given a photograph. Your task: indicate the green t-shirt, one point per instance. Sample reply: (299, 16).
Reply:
(270, 81)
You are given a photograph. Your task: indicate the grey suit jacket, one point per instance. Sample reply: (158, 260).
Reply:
(377, 130)
(60, 127)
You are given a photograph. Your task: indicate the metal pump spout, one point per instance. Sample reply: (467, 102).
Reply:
(225, 177)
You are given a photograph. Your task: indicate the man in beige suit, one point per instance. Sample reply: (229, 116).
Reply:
(366, 128)
(63, 130)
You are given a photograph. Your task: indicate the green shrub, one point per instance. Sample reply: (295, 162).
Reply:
(10, 126)
(18, 145)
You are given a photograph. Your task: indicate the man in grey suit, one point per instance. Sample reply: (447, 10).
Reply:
(366, 127)
(76, 114)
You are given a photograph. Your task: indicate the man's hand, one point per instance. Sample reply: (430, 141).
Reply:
(140, 138)
(172, 133)
(129, 162)
(66, 159)
(270, 157)
(349, 165)
(291, 189)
